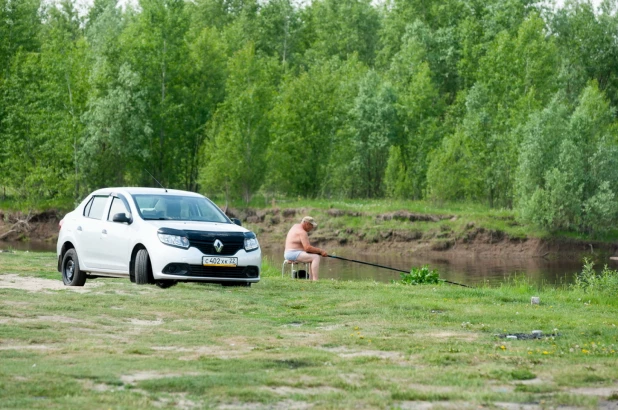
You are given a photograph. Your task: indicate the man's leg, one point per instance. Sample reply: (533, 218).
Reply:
(314, 259)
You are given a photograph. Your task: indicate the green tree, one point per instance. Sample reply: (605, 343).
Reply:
(342, 28)
(19, 30)
(279, 28)
(568, 166)
(373, 127)
(419, 108)
(516, 79)
(578, 25)
(115, 147)
(235, 152)
(308, 118)
(43, 99)
(154, 45)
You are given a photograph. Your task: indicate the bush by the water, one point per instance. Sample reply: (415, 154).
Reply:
(589, 280)
(420, 276)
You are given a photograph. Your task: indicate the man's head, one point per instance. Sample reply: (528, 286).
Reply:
(308, 223)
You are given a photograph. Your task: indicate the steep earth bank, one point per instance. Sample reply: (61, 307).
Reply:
(400, 232)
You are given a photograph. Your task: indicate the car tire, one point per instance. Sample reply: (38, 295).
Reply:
(143, 270)
(72, 275)
(164, 284)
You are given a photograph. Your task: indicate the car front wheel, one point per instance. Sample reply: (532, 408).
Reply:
(143, 271)
(72, 275)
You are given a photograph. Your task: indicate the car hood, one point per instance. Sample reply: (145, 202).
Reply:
(197, 226)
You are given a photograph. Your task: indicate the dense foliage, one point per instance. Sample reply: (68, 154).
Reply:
(506, 102)
(420, 276)
(593, 282)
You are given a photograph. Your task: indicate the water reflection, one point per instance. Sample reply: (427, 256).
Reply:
(31, 246)
(469, 271)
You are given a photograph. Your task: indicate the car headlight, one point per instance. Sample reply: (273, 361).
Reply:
(251, 242)
(174, 240)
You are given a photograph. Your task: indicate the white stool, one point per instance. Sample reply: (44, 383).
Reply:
(293, 270)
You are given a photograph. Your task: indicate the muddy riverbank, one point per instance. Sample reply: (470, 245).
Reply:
(398, 233)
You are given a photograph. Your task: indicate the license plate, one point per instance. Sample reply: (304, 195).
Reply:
(217, 261)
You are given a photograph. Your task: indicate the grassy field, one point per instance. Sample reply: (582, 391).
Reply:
(285, 344)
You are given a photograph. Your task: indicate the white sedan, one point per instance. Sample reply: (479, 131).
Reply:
(153, 235)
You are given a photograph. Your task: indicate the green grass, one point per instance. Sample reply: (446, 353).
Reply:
(286, 343)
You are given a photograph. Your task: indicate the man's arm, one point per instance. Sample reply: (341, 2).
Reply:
(304, 239)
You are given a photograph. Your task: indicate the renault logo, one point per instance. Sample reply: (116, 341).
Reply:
(218, 245)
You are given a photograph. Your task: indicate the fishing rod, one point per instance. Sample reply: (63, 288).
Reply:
(388, 267)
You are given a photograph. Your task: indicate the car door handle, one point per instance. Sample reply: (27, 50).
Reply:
(79, 228)
(104, 231)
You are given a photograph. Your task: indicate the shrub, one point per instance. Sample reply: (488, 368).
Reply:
(589, 280)
(420, 276)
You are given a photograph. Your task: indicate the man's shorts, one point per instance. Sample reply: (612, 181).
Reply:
(292, 255)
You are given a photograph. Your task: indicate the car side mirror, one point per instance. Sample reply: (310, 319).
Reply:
(237, 221)
(122, 218)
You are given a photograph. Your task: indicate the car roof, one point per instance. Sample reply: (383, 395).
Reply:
(145, 191)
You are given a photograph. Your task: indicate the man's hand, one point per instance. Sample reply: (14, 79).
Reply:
(324, 253)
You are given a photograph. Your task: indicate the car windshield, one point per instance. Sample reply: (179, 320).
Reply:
(177, 207)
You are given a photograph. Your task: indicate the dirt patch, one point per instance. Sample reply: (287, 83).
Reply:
(450, 335)
(194, 353)
(282, 405)
(178, 400)
(151, 375)
(428, 405)
(30, 284)
(141, 322)
(603, 392)
(307, 391)
(346, 353)
(25, 347)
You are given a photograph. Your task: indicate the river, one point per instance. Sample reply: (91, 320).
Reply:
(471, 270)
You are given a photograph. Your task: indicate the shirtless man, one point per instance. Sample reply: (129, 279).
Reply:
(297, 247)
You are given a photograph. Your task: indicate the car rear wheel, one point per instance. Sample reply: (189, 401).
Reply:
(143, 270)
(72, 275)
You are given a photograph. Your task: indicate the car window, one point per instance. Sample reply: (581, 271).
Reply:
(178, 207)
(95, 207)
(88, 206)
(118, 206)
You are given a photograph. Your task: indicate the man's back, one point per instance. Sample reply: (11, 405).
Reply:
(294, 239)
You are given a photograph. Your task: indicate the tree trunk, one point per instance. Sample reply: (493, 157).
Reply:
(162, 129)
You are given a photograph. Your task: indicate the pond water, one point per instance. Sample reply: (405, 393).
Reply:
(470, 271)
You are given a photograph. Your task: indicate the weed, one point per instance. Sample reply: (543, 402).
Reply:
(589, 281)
(522, 374)
(421, 276)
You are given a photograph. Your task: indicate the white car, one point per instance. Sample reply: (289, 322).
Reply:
(155, 235)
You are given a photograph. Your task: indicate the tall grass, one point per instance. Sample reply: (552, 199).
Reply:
(591, 281)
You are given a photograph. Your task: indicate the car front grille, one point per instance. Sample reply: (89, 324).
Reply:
(204, 241)
(222, 272)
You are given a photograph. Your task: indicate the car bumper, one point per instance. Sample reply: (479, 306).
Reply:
(170, 263)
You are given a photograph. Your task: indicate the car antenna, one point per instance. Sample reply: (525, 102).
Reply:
(156, 180)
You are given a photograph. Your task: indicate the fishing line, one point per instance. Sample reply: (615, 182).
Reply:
(388, 267)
